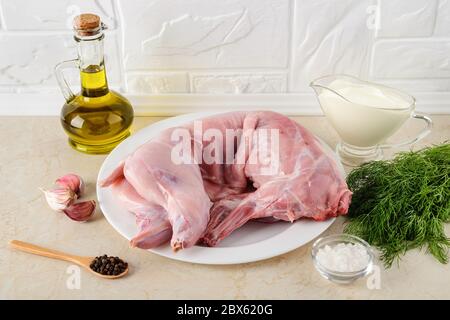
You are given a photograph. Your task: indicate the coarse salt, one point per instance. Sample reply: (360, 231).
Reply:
(343, 257)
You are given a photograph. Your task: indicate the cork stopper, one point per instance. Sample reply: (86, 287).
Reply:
(87, 24)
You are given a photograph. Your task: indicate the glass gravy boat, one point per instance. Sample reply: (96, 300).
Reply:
(365, 114)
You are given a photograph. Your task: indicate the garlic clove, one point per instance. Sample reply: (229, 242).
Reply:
(59, 198)
(72, 181)
(80, 211)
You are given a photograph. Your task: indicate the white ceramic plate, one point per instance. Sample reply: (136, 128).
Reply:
(252, 242)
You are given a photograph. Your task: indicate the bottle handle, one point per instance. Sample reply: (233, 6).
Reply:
(420, 136)
(59, 72)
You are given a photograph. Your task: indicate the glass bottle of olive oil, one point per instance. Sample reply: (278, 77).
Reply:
(97, 118)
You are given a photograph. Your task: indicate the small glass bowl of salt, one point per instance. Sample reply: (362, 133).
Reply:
(342, 258)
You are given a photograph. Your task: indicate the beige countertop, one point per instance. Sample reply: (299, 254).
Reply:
(34, 152)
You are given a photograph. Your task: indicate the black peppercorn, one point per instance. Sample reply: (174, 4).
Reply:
(108, 265)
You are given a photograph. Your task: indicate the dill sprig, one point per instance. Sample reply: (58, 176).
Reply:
(403, 203)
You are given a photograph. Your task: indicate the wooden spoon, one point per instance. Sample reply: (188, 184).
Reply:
(84, 262)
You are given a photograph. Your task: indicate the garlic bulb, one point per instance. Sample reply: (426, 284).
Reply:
(73, 182)
(59, 198)
(69, 188)
(80, 211)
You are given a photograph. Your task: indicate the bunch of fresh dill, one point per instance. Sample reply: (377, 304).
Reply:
(403, 203)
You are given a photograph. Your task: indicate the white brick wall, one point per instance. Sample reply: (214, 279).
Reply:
(329, 37)
(233, 46)
(405, 19)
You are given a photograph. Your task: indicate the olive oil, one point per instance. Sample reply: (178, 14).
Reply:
(97, 118)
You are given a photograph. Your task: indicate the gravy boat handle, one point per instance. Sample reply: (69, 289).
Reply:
(420, 136)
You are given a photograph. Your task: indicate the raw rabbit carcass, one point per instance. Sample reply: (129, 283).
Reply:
(152, 220)
(161, 193)
(174, 200)
(307, 183)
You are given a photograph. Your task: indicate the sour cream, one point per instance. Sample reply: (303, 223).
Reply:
(364, 114)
